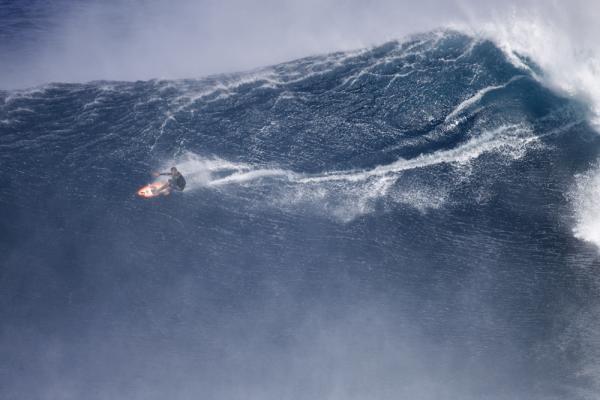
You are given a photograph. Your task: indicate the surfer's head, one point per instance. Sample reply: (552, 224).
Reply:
(174, 170)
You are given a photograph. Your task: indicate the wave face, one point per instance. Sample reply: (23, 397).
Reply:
(398, 222)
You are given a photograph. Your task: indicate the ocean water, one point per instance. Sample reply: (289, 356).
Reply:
(415, 220)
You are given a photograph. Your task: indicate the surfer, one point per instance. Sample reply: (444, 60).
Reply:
(176, 182)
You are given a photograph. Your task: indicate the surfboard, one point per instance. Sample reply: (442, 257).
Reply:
(151, 190)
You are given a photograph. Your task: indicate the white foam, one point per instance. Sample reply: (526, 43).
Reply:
(510, 139)
(477, 97)
(268, 77)
(584, 198)
(344, 195)
(252, 175)
(202, 172)
(567, 51)
(561, 41)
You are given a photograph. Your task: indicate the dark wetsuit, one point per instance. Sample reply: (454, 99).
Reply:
(177, 182)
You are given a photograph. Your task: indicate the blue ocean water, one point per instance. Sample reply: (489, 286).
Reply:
(387, 223)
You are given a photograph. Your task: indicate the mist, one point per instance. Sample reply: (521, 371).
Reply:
(138, 40)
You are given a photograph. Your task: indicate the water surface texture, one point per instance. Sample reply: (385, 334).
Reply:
(408, 221)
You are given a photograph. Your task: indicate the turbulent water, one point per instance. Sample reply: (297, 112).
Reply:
(411, 221)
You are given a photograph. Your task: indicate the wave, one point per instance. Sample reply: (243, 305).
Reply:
(424, 176)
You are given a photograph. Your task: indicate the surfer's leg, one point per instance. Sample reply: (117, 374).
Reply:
(160, 188)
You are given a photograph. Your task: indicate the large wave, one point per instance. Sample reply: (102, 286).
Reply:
(390, 222)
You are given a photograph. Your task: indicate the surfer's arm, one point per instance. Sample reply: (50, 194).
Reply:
(162, 174)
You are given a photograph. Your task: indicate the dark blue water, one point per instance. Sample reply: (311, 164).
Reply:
(392, 223)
